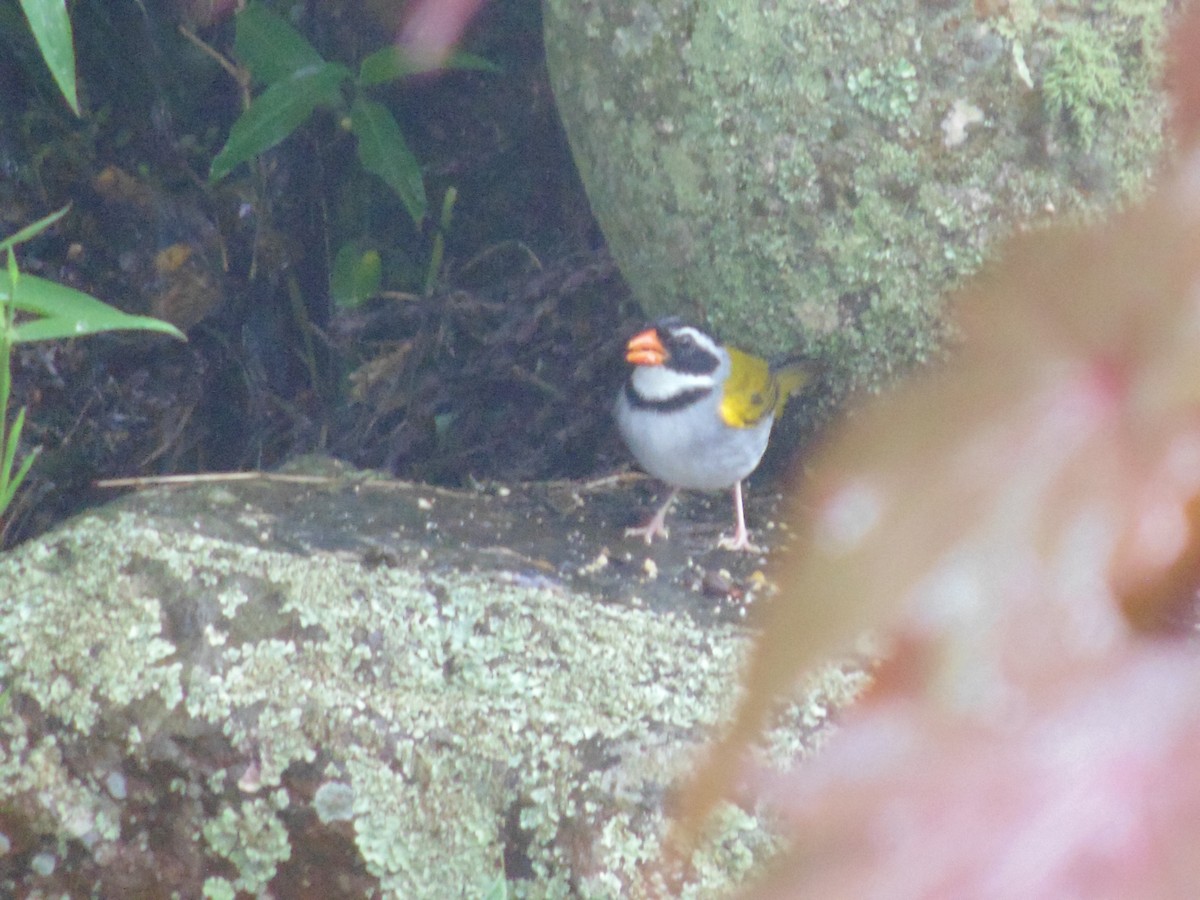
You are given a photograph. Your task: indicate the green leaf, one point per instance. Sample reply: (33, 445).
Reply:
(63, 312)
(277, 112)
(51, 27)
(8, 458)
(356, 277)
(386, 64)
(58, 328)
(30, 231)
(10, 483)
(439, 240)
(470, 61)
(390, 63)
(270, 47)
(383, 151)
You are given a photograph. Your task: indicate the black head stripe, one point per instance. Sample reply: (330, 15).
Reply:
(668, 404)
(685, 354)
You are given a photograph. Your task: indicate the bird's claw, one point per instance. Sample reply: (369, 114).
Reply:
(649, 531)
(739, 543)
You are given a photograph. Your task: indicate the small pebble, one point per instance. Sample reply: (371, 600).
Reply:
(115, 782)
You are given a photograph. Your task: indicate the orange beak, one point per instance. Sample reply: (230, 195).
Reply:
(646, 349)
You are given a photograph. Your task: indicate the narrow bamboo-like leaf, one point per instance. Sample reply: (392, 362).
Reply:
(54, 329)
(390, 63)
(30, 231)
(270, 47)
(63, 312)
(26, 464)
(51, 27)
(9, 483)
(383, 151)
(12, 277)
(8, 436)
(277, 112)
(439, 240)
(11, 438)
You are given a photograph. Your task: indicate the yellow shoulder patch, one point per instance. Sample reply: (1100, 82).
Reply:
(753, 389)
(750, 391)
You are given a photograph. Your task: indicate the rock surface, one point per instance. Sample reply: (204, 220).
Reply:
(816, 174)
(329, 684)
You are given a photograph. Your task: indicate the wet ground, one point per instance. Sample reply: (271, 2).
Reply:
(544, 534)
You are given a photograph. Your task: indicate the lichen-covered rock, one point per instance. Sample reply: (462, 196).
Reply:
(816, 174)
(321, 689)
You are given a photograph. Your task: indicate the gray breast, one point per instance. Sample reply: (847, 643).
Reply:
(691, 448)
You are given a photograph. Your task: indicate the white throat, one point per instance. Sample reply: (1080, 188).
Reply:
(658, 383)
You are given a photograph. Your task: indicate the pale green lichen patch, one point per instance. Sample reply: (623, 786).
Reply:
(47, 636)
(71, 806)
(458, 842)
(334, 802)
(464, 722)
(218, 888)
(251, 837)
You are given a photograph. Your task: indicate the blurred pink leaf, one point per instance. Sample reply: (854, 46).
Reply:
(1017, 524)
(1092, 792)
(979, 511)
(432, 28)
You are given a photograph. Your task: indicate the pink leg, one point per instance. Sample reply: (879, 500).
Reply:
(741, 537)
(658, 524)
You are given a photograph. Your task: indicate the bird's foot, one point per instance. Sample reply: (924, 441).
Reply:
(741, 536)
(648, 532)
(739, 542)
(657, 526)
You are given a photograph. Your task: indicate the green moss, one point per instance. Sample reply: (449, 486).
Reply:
(888, 91)
(1084, 79)
(782, 169)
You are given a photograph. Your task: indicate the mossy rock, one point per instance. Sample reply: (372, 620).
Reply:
(817, 174)
(331, 684)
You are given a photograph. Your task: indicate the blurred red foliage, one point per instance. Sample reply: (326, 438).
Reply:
(1023, 527)
(432, 27)
(1088, 790)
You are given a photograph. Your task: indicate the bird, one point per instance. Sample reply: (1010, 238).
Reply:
(697, 414)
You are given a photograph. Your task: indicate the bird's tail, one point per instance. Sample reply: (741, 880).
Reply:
(792, 376)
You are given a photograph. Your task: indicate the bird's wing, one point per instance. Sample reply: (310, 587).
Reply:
(750, 392)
